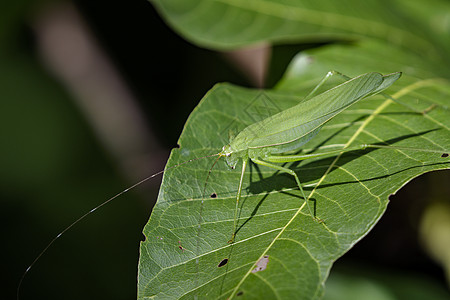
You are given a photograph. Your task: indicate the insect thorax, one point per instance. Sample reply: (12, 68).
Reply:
(232, 156)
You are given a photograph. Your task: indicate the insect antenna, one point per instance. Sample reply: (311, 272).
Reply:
(209, 173)
(200, 214)
(97, 207)
(203, 194)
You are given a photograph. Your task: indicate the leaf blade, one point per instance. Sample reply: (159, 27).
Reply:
(350, 198)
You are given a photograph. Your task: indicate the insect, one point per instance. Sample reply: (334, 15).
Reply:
(266, 142)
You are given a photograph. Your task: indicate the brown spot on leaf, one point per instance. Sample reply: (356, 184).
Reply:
(261, 265)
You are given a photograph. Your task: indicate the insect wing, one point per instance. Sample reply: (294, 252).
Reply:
(296, 124)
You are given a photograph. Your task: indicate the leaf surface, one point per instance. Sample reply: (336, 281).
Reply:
(225, 24)
(279, 251)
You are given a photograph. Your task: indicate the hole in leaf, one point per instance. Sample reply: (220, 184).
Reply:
(213, 195)
(444, 155)
(222, 263)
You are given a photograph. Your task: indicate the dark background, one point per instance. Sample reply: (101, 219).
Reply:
(54, 166)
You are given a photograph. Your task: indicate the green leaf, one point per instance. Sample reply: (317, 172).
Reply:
(431, 16)
(224, 24)
(186, 254)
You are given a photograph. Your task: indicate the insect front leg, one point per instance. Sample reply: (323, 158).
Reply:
(238, 197)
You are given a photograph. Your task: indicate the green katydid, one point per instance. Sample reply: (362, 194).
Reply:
(265, 142)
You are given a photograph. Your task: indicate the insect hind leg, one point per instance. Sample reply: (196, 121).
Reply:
(329, 75)
(290, 172)
(387, 96)
(321, 83)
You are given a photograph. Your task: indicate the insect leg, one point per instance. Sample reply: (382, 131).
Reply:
(290, 172)
(238, 197)
(322, 82)
(387, 96)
